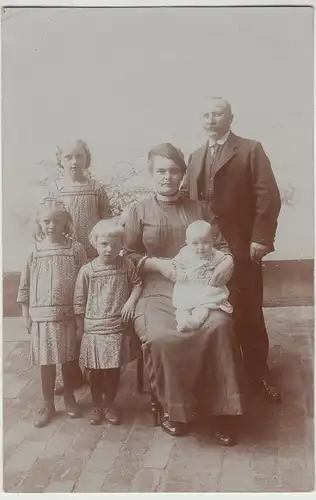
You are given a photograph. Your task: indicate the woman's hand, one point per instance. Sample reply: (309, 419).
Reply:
(166, 268)
(223, 272)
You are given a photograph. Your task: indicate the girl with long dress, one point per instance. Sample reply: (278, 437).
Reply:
(46, 294)
(106, 292)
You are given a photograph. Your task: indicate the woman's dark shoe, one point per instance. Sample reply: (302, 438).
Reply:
(72, 408)
(172, 428)
(224, 439)
(97, 416)
(270, 391)
(112, 416)
(45, 415)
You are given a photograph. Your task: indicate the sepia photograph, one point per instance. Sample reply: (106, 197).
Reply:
(158, 249)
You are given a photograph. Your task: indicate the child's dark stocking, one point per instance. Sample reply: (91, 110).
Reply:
(76, 373)
(48, 376)
(97, 389)
(47, 412)
(112, 381)
(71, 406)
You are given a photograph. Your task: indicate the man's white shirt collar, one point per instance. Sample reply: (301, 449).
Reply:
(220, 141)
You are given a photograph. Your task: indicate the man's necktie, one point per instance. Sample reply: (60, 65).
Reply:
(214, 148)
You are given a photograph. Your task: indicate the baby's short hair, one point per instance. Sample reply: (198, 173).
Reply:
(199, 227)
(53, 204)
(108, 227)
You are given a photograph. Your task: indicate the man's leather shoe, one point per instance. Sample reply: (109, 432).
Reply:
(172, 428)
(224, 439)
(270, 391)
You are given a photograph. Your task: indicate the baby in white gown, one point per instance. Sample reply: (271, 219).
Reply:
(193, 294)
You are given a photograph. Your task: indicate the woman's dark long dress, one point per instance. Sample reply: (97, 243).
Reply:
(194, 373)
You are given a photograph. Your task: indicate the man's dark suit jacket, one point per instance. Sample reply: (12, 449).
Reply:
(246, 198)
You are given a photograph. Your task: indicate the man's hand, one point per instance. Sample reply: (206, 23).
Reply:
(223, 272)
(27, 323)
(258, 251)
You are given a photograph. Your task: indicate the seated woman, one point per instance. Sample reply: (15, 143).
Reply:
(194, 373)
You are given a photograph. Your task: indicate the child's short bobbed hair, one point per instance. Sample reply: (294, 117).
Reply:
(52, 204)
(106, 227)
(78, 142)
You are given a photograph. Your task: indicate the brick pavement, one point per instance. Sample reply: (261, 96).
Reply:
(275, 450)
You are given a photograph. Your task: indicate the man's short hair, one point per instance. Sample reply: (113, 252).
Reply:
(219, 99)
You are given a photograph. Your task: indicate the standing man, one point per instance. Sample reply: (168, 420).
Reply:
(234, 176)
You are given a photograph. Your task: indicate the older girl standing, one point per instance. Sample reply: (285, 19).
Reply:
(85, 198)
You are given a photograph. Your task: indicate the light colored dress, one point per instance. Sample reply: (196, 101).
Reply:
(87, 203)
(193, 275)
(47, 285)
(100, 294)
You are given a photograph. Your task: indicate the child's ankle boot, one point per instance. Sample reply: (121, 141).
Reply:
(72, 408)
(112, 416)
(96, 416)
(45, 414)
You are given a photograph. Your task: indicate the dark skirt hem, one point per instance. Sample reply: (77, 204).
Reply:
(194, 374)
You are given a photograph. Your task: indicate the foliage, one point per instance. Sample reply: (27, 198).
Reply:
(125, 185)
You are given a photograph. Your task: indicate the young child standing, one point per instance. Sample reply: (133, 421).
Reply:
(193, 294)
(46, 294)
(106, 293)
(86, 200)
